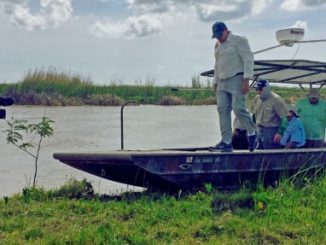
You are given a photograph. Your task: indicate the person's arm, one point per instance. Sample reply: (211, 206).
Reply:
(291, 145)
(281, 110)
(283, 125)
(245, 85)
(214, 86)
(247, 57)
(280, 131)
(298, 137)
(216, 78)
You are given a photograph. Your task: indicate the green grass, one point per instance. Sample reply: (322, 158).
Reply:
(284, 215)
(50, 87)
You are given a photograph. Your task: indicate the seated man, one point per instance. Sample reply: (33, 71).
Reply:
(294, 134)
(269, 109)
(312, 112)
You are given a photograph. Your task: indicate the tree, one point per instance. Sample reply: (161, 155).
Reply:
(19, 127)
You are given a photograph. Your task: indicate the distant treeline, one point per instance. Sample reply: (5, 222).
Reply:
(54, 88)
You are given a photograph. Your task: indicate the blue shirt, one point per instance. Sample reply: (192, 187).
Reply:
(294, 133)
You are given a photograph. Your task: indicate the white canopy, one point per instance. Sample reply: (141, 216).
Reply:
(287, 71)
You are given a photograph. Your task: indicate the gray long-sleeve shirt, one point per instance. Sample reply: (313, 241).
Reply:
(233, 56)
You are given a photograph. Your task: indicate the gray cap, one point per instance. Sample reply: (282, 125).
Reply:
(293, 109)
(314, 93)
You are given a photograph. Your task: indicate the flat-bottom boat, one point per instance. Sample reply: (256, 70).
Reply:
(194, 167)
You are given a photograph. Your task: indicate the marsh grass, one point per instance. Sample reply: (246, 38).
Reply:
(55, 88)
(51, 87)
(284, 215)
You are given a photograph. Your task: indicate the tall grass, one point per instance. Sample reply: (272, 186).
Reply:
(48, 87)
(51, 87)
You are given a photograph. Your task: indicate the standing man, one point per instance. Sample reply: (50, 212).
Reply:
(269, 110)
(312, 112)
(294, 134)
(233, 67)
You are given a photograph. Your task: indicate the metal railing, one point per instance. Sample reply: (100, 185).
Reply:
(121, 119)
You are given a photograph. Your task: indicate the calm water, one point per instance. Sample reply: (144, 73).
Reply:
(82, 129)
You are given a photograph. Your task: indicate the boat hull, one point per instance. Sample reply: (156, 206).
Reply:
(191, 168)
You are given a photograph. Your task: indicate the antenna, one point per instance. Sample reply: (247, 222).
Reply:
(288, 37)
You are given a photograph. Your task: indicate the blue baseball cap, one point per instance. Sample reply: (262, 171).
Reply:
(261, 83)
(218, 28)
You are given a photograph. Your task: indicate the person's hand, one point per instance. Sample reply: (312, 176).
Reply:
(245, 86)
(277, 138)
(214, 87)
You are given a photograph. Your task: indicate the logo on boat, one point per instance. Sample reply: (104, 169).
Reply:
(202, 159)
(207, 159)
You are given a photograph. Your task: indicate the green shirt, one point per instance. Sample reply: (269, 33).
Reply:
(313, 118)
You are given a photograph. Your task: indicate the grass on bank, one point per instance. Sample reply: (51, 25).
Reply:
(41, 87)
(50, 87)
(74, 215)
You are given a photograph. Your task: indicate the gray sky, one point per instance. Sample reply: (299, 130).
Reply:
(166, 41)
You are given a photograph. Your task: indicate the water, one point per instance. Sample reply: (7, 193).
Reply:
(93, 129)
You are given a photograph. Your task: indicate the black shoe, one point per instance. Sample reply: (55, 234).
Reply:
(252, 142)
(223, 147)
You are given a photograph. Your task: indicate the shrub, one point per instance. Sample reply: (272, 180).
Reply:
(104, 100)
(75, 189)
(170, 100)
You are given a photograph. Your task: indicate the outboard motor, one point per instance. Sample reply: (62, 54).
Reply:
(5, 101)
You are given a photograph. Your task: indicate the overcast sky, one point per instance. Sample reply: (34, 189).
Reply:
(166, 41)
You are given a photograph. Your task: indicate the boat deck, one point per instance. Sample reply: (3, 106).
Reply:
(128, 154)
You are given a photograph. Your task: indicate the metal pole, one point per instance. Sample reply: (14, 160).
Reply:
(121, 119)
